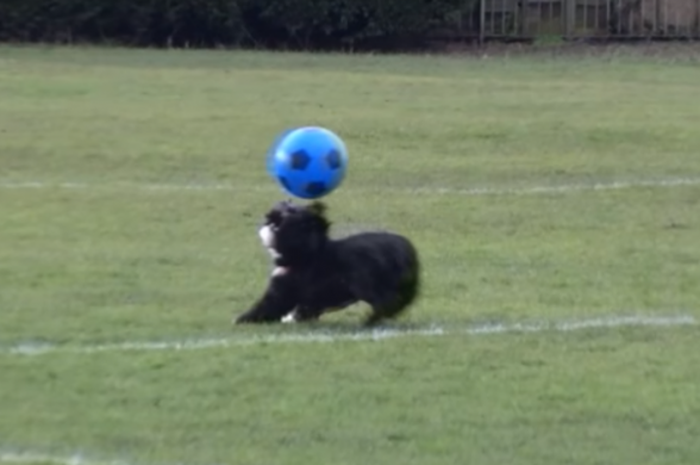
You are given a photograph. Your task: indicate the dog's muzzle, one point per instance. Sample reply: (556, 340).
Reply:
(267, 237)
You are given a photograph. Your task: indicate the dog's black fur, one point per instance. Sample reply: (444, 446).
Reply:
(315, 274)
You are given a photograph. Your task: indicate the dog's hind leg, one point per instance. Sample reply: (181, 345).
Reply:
(395, 305)
(384, 311)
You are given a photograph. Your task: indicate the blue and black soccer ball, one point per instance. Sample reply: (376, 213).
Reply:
(308, 162)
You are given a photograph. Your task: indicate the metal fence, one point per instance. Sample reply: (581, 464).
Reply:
(576, 19)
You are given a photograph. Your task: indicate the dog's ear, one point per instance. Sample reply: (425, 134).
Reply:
(285, 207)
(317, 208)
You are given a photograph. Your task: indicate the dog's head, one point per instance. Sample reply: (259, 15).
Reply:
(294, 233)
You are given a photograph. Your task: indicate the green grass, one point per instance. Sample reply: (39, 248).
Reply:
(111, 259)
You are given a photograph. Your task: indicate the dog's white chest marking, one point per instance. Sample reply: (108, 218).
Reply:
(273, 253)
(279, 271)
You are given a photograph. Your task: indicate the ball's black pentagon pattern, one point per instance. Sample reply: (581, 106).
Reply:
(316, 189)
(299, 160)
(333, 159)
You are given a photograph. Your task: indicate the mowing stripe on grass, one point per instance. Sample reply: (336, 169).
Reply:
(477, 191)
(326, 336)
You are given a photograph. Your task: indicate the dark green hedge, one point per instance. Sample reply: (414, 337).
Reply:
(209, 23)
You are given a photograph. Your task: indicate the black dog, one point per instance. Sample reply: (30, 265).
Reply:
(315, 274)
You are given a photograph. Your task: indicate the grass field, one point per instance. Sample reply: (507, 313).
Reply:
(555, 202)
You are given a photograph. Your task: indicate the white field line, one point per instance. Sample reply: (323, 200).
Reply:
(32, 349)
(10, 456)
(477, 191)
(31, 457)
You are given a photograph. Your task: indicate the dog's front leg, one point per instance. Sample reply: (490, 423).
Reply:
(279, 299)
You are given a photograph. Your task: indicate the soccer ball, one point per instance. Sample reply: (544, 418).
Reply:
(308, 162)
